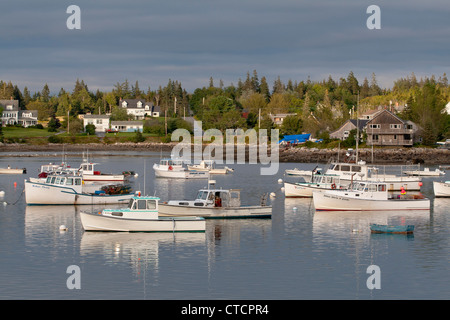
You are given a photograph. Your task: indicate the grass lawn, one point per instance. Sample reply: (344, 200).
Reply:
(17, 132)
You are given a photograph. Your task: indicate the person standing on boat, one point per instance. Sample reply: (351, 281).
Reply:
(402, 191)
(218, 202)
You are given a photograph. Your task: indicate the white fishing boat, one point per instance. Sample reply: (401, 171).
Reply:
(360, 171)
(441, 189)
(89, 173)
(368, 196)
(216, 203)
(141, 215)
(169, 168)
(320, 182)
(209, 166)
(10, 170)
(60, 189)
(306, 174)
(426, 172)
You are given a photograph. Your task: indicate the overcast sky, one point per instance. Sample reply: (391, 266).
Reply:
(193, 40)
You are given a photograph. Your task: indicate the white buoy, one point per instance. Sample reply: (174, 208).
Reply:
(280, 180)
(272, 194)
(294, 208)
(2, 193)
(282, 189)
(63, 228)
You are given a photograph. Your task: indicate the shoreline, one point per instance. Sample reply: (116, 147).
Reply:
(425, 156)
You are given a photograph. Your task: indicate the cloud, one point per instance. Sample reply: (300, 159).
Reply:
(190, 41)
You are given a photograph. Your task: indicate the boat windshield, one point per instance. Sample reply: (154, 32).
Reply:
(202, 195)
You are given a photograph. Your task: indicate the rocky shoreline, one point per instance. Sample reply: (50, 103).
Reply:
(426, 156)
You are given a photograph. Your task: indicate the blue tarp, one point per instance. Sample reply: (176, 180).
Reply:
(295, 138)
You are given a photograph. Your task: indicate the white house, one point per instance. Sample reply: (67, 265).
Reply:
(12, 115)
(127, 126)
(137, 107)
(100, 121)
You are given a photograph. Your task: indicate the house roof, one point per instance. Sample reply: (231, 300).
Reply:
(132, 103)
(96, 116)
(14, 103)
(361, 123)
(126, 123)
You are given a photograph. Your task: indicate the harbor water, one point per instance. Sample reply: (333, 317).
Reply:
(298, 254)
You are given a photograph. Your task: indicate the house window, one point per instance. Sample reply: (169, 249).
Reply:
(395, 126)
(375, 137)
(374, 126)
(395, 137)
(99, 121)
(139, 104)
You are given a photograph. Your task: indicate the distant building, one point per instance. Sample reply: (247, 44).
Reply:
(139, 108)
(344, 131)
(13, 115)
(100, 121)
(279, 117)
(387, 129)
(127, 126)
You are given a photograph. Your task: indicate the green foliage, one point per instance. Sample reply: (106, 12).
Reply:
(90, 129)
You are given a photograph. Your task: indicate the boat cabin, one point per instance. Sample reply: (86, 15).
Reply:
(64, 181)
(217, 198)
(326, 179)
(143, 203)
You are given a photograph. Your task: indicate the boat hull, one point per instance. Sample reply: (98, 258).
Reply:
(44, 194)
(338, 202)
(262, 212)
(181, 174)
(381, 228)
(302, 190)
(103, 177)
(98, 222)
(441, 189)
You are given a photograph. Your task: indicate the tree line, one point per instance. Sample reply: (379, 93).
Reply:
(320, 107)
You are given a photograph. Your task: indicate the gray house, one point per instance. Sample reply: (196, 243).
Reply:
(344, 131)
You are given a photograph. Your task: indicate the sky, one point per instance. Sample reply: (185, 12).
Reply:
(190, 41)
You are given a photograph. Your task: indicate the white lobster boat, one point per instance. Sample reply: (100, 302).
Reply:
(141, 215)
(59, 189)
(320, 182)
(168, 168)
(368, 196)
(209, 166)
(349, 172)
(441, 189)
(425, 172)
(215, 203)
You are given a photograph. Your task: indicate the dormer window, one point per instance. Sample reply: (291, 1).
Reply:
(139, 104)
(9, 107)
(124, 104)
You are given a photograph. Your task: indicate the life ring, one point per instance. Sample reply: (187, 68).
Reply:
(170, 168)
(333, 186)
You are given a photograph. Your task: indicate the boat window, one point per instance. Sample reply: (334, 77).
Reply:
(130, 203)
(151, 204)
(77, 182)
(199, 195)
(356, 168)
(361, 187)
(345, 168)
(211, 196)
(329, 180)
(372, 187)
(141, 205)
(69, 181)
(198, 204)
(381, 187)
(48, 179)
(336, 167)
(53, 180)
(62, 181)
(332, 167)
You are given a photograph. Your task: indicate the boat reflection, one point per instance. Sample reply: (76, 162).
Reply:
(338, 224)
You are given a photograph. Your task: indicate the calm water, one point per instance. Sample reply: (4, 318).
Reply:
(298, 254)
